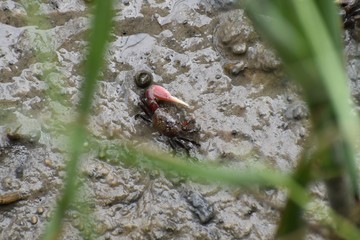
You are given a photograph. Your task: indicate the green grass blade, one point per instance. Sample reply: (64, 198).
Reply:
(332, 72)
(256, 175)
(97, 45)
(333, 24)
(315, 60)
(292, 210)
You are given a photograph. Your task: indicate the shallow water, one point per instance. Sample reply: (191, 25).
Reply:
(202, 52)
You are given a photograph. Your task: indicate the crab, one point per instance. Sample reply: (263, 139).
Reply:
(167, 119)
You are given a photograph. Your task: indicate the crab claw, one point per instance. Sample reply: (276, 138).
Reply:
(161, 93)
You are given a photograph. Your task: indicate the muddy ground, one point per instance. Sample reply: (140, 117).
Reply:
(205, 52)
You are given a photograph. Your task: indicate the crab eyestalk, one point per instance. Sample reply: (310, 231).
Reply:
(156, 92)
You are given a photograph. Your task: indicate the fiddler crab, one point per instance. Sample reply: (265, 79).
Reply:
(165, 118)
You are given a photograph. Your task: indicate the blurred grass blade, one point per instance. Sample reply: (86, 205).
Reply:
(293, 211)
(260, 175)
(329, 13)
(99, 35)
(257, 175)
(315, 60)
(331, 67)
(101, 27)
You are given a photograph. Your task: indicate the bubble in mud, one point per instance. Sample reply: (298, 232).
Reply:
(143, 79)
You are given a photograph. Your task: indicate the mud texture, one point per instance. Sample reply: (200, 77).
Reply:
(204, 52)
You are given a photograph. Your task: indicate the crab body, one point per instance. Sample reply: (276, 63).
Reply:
(167, 119)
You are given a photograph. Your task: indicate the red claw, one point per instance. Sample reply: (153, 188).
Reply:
(156, 92)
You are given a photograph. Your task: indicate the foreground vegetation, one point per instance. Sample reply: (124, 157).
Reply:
(312, 56)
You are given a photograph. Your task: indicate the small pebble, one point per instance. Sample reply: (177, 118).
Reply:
(34, 136)
(218, 76)
(48, 215)
(154, 174)
(40, 210)
(235, 68)
(117, 231)
(100, 228)
(112, 181)
(7, 182)
(239, 48)
(34, 220)
(107, 236)
(296, 112)
(61, 167)
(300, 112)
(75, 215)
(289, 99)
(201, 207)
(302, 132)
(48, 162)
(78, 224)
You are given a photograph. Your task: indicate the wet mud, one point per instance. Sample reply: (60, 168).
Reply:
(206, 53)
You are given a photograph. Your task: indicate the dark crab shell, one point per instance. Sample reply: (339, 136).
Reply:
(165, 123)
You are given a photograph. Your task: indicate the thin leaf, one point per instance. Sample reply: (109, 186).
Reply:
(100, 32)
